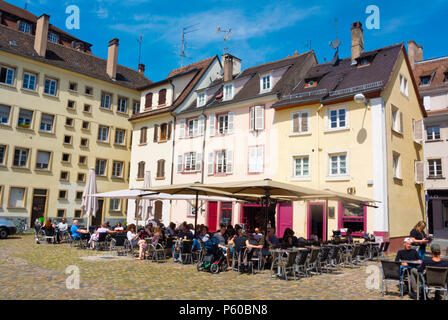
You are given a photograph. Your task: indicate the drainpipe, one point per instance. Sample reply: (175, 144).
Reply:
(203, 146)
(174, 144)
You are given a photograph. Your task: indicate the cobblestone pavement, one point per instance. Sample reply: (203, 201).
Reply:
(31, 271)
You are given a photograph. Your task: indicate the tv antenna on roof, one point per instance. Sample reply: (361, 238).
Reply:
(26, 5)
(139, 40)
(226, 37)
(335, 44)
(185, 31)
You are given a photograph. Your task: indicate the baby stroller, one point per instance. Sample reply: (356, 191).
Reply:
(214, 259)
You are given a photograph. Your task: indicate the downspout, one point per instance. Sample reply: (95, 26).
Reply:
(174, 145)
(203, 146)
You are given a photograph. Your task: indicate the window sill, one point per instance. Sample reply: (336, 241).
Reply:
(398, 178)
(106, 109)
(69, 127)
(117, 178)
(434, 140)
(160, 178)
(11, 86)
(189, 172)
(88, 95)
(337, 178)
(140, 179)
(301, 134)
(337, 130)
(16, 208)
(42, 170)
(397, 132)
(143, 144)
(300, 178)
(435, 178)
(163, 141)
(122, 113)
(122, 145)
(5, 125)
(21, 168)
(103, 142)
(50, 96)
(25, 128)
(70, 109)
(24, 90)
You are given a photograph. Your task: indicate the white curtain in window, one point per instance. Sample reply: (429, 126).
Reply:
(16, 198)
(43, 157)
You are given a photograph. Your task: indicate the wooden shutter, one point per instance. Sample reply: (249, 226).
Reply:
(141, 170)
(180, 166)
(419, 172)
(230, 125)
(198, 161)
(148, 101)
(156, 132)
(252, 118)
(259, 118)
(182, 129)
(162, 97)
(418, 131)
(260, 159)
(304, 122)
(162, 168)
(229, 161)
(212, 125)
(295, 122)
(170, 128)
(201, 123)
(211, 164)
(143, 135)
(252, 159)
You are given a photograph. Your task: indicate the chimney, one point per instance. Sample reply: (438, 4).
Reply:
(415, 52)
(357, 40)
(141, 68)
(112, 57)
(232, 66)
(41, 38)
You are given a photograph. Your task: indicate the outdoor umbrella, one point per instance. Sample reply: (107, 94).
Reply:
(89, 203)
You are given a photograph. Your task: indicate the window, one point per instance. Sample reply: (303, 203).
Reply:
(148, 101)
(256, 118)
(16, 197)
(301, 166)
(60, 213)
(3, 149)
(62, 195)
(71, 104)
(77, 213)
(53, 37)
(192, 162)
(397, 120)
(106, 100)
(163, 132)
(135, 107)
(396, 165)
(435, 168)
(66, 157)
(88, 91)
(79, 195)
(162, 97)
(266, 83)
(300, 122)
(120, 136)
(223, 124)
(24, 27)
(85, 125)
(228, 91)
(161, 169)
(338, 164)
(7, 75)
(73, 86)
(192, 128)
(141, 170)
(25, 118)
(103, 134)
(64, 176)
(84, 143)
(222, 162)
(67, 139)
(256, 159)
(337, 118)
(201, 99)
(122, 105)
(43, 160)
(403, 85)
(100, 167)
(51, 87)
(5, 112)
(226, 213)
(424, 81)
(87, 108)
(114, 204)
(353, 218)
(311, 83)
(21, 158)
(117, 169)
(433, 133)
(29, 81)
(82, 161)
(69, 122)
(143, 135)
(81, 177)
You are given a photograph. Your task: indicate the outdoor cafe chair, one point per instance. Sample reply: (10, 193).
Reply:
(312, 263)
(391, 273)
(383, 248)
(102, 243)
(323, 259)
(117, 242)
(434, 279)
(186, 252)
(350, 256)
(288, 264)
(301, 260)
(363, 255)
(257, 257)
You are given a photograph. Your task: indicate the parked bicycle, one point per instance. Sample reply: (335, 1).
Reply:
(22, 226)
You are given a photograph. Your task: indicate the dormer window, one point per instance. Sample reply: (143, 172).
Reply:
(228, 92)
(24, 27)
(201, 99)
(310, 83)
(265, 83)
(53, 37)
(363, 62)
(424, 81)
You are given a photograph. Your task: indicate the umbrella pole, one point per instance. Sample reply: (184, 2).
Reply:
(326, 219)
(196, 213)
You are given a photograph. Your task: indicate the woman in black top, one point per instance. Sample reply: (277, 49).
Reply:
(419, 237)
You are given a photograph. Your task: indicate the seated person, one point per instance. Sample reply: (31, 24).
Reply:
(251, 244)
(435, 261)
(134, 239)
(257, 234)
(239, 241)
(157, 235)
(119, 227)
(223, 243)
(407, 253)
(289, 240)
(78, 233)
(202, 237)
(95, 237)
(186, 233)
(171, 230)
(62, 228)
(49, 229)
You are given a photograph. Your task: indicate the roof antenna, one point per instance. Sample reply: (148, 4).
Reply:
(139, 40)
(335, 44)
(26, 5)
(226, 37)
(185, 31)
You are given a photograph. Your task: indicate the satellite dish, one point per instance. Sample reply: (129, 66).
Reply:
(360, 98)
(335, 44)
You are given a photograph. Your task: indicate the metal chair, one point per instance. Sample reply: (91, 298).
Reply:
(435, 279)
(289, 264)
(301, 260)
(186, 252)
(323, 259)
(391, 273)
(101, 243)
(312, 262)
(384, 248)
(257, 257)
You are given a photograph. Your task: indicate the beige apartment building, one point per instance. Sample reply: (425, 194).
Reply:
(62, 111)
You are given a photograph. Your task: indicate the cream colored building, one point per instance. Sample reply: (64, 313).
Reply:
(63, 111)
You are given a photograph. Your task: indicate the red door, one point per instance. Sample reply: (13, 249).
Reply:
(284, 217)
(212, 216)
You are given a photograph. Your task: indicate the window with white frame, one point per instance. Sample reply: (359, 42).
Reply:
(53, 37)
(7, 75)
(43, 160)
(265, 84)
(25, 27)
(106, 100)
(25, 118)
(119, 136)
(29, 81)
(201, 99)
(228, 91)
(136, 107)
(404, 85)
(21, 157)
(338, 164)
(16, 197)
(256, 114)
(117, 169)
(103, 134)
(5, 112)
(2, 154)
(193, 127)
(223, 124)
(191, 163)
(114, 204)
(337, 118)
(300, 122)
(396, 165)
(433, 133)
(435, 168)
(100, 167)
(397, 119)
(46, 122)
(51, 87)
(301, 166)
(256, 159)
(122, 105)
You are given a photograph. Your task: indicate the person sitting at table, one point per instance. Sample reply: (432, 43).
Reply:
(435, 261)
(223, 242)
(157, 235)
(119, 227)
(49, 229)
(134, 239)
(78, 233)
(171, 230)
(257, 234)
(251, 243)
(406, 254)
(186, 233)
(202, 237)
(289, 240)
(419, 237)
(96, 236)
(62, 228)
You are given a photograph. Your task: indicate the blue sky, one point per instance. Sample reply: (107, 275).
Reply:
(262, 30)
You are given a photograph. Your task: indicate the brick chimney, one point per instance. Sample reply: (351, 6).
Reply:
(415, 52)
(357, 40)
(232, 66)
(41, 38)
(112, 58)
(141, 68)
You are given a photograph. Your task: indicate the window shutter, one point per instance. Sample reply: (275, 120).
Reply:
(198, 161)
(162, 97)
(170, 129)
(212, 124)
(252, 159)
(295, 123)
(148, 101)
(304, 122)
(201, 124)
(182, 129)
(419, 172)
(162, 168)
(231, 117)
(211, 164)
(260, 159)
(180, 165)
(143, 135)
(156, 131)
(158, 169)
(418, 131)
(259, 117)
(401, 121)
(252, 118)
(229, 161)
(195, 127)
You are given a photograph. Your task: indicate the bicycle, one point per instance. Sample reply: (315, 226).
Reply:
(22, 227)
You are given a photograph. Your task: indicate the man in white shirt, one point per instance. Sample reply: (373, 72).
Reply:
(62, 228)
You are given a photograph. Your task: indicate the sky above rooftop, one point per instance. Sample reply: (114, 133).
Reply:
(262, 30)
